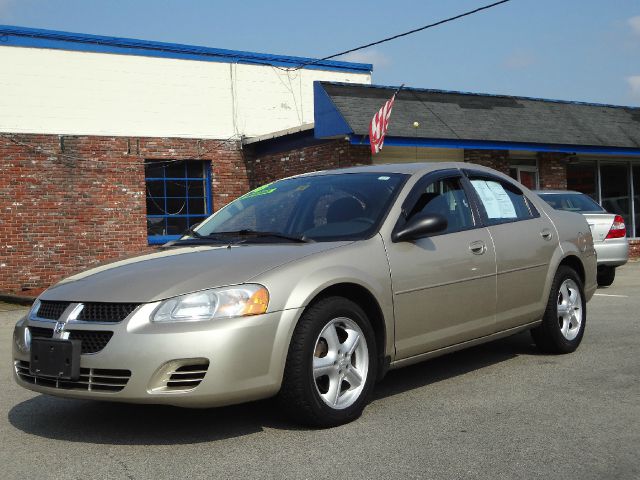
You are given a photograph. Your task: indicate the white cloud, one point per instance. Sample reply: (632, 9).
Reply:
(378, 59)
(519, 60)
(634, 84)
(634, 23)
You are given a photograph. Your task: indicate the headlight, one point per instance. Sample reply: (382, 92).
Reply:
(34, 309)
(239, 301)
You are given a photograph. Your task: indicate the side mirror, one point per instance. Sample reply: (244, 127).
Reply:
(419, 226)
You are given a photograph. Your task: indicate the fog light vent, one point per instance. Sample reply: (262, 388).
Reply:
(179, 375)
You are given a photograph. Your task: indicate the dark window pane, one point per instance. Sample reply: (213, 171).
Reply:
(513, 173)
(197, 206)
(195, 170)
(154, 169)
(196, 188)
(155, 206)
(176, 206)
(155, 226)
(636, 197)
(193, 221)
(614, 184)
(176, 225)
(175, 169)
(447, 198)
(581, 177)
(155, 188)
(176, 188)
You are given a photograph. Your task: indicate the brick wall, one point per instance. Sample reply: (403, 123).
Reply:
(496, 159)
(68, 203)
(265, 168)
(634, 248)
(552, 170)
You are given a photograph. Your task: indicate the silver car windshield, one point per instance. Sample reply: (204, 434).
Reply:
(332, 207)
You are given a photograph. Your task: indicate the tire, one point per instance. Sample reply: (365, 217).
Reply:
(324, 385)
(606, 276)
(565, 317)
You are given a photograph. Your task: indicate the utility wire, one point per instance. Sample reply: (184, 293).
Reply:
(388, 39)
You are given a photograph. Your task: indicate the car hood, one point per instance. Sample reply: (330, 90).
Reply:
(177, 271)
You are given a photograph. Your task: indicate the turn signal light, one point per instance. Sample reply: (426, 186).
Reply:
(618, 229)
(258, 303)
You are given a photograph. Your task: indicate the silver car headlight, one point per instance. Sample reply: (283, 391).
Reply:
(238, 301)
(34, 309)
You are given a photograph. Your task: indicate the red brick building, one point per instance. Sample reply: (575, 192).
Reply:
(113, 168)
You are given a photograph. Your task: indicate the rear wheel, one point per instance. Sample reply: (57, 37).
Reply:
(564, 319)
(606, 275)
(331, 365)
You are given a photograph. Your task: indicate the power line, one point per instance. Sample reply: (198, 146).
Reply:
(404, 34)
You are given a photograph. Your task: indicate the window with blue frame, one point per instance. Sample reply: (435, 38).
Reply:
(178, 197)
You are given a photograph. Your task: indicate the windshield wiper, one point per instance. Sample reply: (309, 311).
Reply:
(246, 232)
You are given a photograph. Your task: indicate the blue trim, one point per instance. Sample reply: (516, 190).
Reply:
(38, 38)
(391, 89)
(490, 145)
(162, 239)
(328, 121)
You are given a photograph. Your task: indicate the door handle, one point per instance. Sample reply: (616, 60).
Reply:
(546, 234)
(478, 247)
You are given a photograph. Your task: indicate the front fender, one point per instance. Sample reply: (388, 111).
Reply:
(294, 286)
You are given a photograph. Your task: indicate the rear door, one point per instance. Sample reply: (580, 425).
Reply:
(444, 285)
(525, 242)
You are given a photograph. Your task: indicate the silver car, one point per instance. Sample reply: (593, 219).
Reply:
(608, 230)
(311, 288)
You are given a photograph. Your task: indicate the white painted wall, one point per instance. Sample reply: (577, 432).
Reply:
(82, 93)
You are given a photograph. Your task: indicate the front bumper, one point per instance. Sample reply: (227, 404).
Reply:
(236, 360)
(613, 252)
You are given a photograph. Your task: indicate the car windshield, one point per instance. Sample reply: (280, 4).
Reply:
(346, 206)
(572, 202)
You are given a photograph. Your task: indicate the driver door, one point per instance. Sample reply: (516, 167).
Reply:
(444, 286)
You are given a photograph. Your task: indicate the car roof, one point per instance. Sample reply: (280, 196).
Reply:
(405, 168)
(558, 191)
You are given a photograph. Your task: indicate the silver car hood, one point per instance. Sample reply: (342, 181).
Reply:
(177, 271)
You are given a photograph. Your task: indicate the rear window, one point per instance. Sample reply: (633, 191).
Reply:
(571, 202)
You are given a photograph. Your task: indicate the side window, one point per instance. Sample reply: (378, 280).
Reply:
(447, 198)
(502, 201)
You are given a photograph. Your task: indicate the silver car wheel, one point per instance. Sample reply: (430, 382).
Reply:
(340, 363)
(569, 309)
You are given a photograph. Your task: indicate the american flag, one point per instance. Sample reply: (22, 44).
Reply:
(380, 124)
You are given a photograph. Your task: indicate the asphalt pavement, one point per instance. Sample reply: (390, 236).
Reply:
(498, 411)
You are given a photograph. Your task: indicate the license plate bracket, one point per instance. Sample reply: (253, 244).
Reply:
(55, 358)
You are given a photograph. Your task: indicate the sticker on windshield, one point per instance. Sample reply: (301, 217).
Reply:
(263, 190)
(384, 178)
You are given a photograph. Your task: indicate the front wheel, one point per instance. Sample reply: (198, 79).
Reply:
(331, 364)
(565, 317)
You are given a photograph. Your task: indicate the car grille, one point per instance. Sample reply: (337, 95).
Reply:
(52, 310)
(92, 341)
(91, 379)
(91, 312)
(187, 377)
(106, 312)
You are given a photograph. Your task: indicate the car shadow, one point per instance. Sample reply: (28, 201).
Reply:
(129, 424)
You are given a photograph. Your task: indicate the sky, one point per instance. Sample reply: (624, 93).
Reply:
(583, 50)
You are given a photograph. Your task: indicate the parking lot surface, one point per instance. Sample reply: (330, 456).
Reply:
(499, 411)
